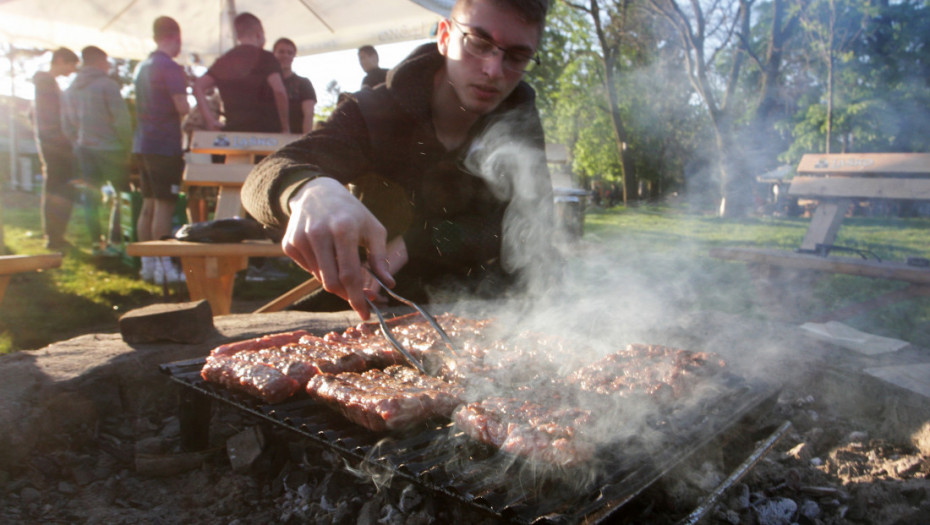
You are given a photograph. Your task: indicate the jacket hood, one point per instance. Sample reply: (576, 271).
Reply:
(87, 76)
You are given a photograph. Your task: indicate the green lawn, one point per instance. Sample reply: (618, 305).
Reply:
(667, 245)
(86, 294)
(654, 252)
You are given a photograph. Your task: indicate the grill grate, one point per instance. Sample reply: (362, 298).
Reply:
(443, 460)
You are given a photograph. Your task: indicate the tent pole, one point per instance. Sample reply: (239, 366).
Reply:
(12, 120)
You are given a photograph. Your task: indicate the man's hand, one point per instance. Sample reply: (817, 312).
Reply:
(327, 226)
(396, 259)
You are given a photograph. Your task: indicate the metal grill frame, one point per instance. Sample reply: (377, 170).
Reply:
(440, 459)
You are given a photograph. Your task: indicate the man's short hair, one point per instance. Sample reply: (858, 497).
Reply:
(533, 11)
(93, 55)
(165, 27)
(368, 50)
(283, 40)
(65, 56)
(246, 24)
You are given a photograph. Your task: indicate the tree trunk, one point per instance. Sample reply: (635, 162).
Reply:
(608, 56)
(626, 165)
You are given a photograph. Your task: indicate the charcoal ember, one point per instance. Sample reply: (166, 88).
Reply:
(391, 399)
(553, 435)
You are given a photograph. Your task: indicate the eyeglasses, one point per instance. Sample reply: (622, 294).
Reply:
(515, 60)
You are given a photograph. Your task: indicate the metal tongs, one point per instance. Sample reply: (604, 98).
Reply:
(386, 331)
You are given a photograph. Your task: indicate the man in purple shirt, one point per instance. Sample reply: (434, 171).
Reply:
(161, 103)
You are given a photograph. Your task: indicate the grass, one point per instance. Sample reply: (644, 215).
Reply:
(670, 243)
(86, 294)
(665, 248)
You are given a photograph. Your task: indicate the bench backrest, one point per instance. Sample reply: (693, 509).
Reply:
(240, 149)
(239, 142)
(863, 176)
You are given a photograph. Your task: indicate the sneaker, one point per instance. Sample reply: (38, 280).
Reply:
(166, 272)
(147, 272)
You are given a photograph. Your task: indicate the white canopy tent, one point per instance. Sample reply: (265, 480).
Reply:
(123, 28)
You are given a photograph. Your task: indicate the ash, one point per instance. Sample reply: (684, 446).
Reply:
(832, 468)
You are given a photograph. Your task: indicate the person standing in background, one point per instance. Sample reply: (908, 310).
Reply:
(161, 103)
(301, 97)
(55, 151)
(96, 120)
(250, 84)
(368, 59)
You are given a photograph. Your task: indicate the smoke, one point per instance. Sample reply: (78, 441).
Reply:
(583, 301)
(515, 170)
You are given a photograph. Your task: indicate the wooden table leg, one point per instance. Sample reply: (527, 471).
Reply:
(4, 281)
(212, 278)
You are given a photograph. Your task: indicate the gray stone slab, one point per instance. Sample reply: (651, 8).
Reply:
(914, 377)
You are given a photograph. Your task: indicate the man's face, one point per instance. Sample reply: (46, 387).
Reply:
(481, 84)
(368, 61)
(175, 46)
(285, 54)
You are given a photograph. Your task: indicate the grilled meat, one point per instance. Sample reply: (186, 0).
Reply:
(258, 343)
(660, 372)
(554, 435)
(390, 399)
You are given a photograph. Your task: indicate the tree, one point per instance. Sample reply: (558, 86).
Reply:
(715, 38)
(832, 26)
(611, 29)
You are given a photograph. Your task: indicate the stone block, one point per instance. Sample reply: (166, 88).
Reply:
(188, 323)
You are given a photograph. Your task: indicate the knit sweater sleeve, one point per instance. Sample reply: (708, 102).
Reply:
(339, 149)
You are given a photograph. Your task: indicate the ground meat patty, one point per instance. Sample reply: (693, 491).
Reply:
(553, 435)
(253, 378)
(657, 371)
(390, 399)
(258, 343)
(276, 373)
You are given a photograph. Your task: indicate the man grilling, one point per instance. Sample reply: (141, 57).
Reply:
(420, 205)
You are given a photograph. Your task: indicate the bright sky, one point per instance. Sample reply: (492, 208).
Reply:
(341, 66)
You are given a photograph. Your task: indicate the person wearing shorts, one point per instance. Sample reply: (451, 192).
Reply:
(161, 103)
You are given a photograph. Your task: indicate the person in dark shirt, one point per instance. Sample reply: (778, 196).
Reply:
(55, 150)
(301, 97)
(438, 156)
(250, 84)
(368, 59)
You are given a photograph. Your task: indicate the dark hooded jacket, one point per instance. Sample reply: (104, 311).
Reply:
(382, 141)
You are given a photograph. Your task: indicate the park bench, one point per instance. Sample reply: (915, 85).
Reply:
(836, 182)
(210, 268)
(13, 264)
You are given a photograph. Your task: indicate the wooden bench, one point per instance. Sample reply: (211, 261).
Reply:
(13, 264)
(837, 182)
(210, 268)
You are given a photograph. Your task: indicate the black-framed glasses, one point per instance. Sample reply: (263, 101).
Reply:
(515, 60)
